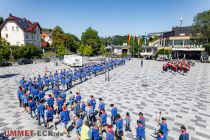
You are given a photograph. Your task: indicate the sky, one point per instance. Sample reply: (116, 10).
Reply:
(108, 17)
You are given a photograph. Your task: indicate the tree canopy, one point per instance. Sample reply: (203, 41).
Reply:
(90, 38)
(201, 25)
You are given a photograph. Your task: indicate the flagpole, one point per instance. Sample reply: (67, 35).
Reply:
(133, 49)
(138, 46)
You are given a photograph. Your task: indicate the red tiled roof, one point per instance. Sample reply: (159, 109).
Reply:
(23, 23)
(44, 44)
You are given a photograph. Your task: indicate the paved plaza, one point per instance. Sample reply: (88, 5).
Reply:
(183, 99)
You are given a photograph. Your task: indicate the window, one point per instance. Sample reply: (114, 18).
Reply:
(32, 36)
(26, 36)
(5, 28)
(6, 35)
(13, 28)
(17, 28)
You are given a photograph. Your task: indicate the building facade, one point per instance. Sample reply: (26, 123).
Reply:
(181, 43)
(20, 31)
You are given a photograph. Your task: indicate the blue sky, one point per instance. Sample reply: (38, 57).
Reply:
(108, 17)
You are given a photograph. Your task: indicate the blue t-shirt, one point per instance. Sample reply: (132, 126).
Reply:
(109, 136)
(184, 136)
(60, 104)
(50, 101)
(78, 98)
(79, 125)
(32, 105)
(104, 119)
(20, 93)
(101, 106)
(119, 124)
(49, 114)
(114, 111)
(140, 131)
(93, 102)
(143, 121)
(40, 109)
(65, 118)
(95, 134)
(24, 99)
(164, 128)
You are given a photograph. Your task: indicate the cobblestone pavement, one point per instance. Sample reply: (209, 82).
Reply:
(183, 99)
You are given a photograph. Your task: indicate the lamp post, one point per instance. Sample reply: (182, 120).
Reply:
(108, 48)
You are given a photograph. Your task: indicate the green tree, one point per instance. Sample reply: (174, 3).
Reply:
(71, 42)
(4, 50)
(90, 37)
(81, 49)
(61, 50)
(88, 50)
(102, 50)
(58, 37)
(1, 20)
(201, 25)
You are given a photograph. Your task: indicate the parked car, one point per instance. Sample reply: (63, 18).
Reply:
(24, 61)
(4, 64)
(47, 59)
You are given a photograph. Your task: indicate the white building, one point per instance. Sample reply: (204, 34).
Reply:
(20, 31)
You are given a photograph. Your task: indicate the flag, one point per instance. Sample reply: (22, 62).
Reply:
(134, 37)
(139, 39)
(129, 38)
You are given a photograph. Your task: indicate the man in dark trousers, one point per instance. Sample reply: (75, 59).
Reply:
(141, 62)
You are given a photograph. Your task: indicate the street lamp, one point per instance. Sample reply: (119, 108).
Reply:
(108, 48)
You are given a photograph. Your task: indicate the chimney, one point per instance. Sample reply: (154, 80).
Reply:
(10, 14)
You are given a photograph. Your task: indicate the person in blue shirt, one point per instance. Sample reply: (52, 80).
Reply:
(83, 106)
(68, 82)
(76, 108)
(89, 112)
(78, 97)
(32, 106)
(140, 131)
(71, 100)
(127, 122)
(119, 127)
(47, 82)
(142, 119)
(41, 112)
(63, 95)
(101, 106)
(24, 99)
(63, 83)
(103, 120)
(65, 118)
(22, 81)
(164, 127)
(60, 103)
(20, 94)
(49, 115)
(35, 93)
(78, 125)
(41, 94)
(161, 135)
(184, 135)
(95, 133)
(113, 113)
(50, 100)
(110, 133)
(56, 92)
(92, 102)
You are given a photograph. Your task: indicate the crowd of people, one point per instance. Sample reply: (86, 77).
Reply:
(181, 66)
(89, 121)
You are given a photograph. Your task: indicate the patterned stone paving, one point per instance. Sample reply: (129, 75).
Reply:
(183, 99)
